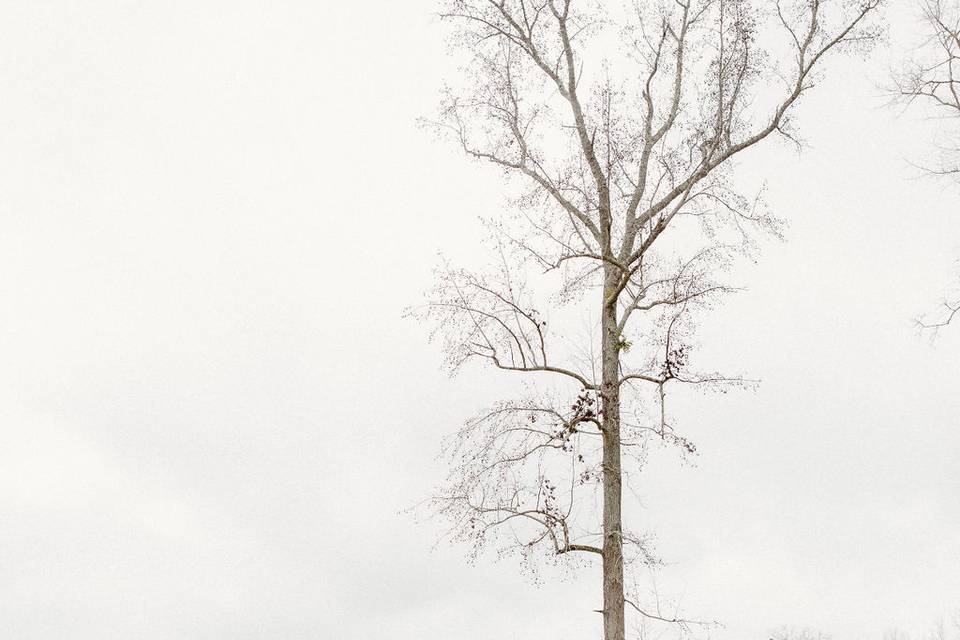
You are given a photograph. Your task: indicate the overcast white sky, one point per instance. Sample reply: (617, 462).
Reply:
(212, 413)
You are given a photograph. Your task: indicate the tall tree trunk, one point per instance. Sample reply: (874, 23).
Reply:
(613, 598)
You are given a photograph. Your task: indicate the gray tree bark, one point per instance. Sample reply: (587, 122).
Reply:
(613, 592)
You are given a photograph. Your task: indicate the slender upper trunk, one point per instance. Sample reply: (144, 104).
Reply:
(613, 597)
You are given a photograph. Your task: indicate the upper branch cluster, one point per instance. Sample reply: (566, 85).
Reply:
(617, 152)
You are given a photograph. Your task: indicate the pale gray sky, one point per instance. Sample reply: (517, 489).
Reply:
(212, 413)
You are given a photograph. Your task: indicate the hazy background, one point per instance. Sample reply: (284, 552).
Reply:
(212, 413)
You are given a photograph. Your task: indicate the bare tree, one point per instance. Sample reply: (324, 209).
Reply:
(621, 130)
(931, 81)
(932, 77)
(944, 628)
(798, 633)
